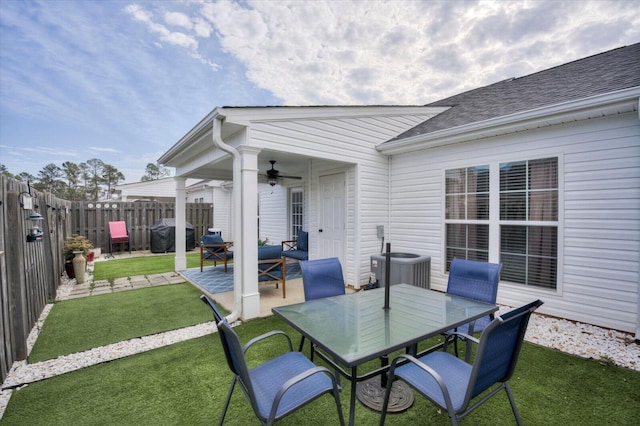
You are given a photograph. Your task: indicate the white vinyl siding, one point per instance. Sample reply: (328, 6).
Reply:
(344, 145)
(598, 219)
(273, 213)
(222, 212)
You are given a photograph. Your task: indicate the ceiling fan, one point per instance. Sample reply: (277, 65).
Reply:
(274, 175)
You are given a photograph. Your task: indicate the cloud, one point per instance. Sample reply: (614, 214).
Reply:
(132, 78)
(177, 19)
(103, 149)
(397, 52)
(176, 38)
(353, 52)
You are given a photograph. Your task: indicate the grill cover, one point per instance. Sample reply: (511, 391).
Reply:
(163, 236)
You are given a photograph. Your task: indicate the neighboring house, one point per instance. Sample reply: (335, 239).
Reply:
(540, 173)
(217, 193)
(197, 191)
(151, 190)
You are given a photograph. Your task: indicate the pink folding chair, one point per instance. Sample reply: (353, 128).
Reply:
(118, 235)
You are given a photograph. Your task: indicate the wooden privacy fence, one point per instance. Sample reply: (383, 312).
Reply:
(30, 271)
(91, 219)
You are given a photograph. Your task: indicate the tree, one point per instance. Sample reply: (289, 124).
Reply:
(4, 171)
(84, 181)
(25, 177)
(84, 175)
(49, 178)
(111, 176)
(72, 173)
(154, 172)
(96, 167)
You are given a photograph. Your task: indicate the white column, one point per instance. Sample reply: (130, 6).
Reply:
(181, 224)
(248, 217)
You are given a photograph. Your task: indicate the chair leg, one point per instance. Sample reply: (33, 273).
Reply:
(385, 403)
(512, 401)
(455, 346)
(336, 396)
(226, 404)
(311, 351)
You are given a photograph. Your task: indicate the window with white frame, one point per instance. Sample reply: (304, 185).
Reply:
(467, 213)
(529, 222)
(296, 211)
(527, 196)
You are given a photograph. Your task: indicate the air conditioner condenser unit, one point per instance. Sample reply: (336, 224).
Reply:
(407, 268)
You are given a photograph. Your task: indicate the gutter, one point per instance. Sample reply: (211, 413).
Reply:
(237, 225)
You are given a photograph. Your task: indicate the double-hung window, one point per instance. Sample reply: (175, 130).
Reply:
(522, 228)
(467, 213)
(529, 222)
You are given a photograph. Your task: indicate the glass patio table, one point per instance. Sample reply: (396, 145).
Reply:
(355, 328)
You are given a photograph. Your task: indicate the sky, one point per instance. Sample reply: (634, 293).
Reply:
(123, 81)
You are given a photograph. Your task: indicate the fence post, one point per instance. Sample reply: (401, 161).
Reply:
(17, 290)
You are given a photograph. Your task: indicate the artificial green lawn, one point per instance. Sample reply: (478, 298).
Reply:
(186, 383)
(80, 324)
(140, 266)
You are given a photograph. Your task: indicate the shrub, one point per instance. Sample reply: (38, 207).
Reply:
(76, 243)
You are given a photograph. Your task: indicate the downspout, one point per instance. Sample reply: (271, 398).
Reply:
(237, 200)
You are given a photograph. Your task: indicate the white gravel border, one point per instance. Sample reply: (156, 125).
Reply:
(584, 340)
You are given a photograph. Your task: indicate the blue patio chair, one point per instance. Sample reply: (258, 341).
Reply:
(279, 386)
(214, 248)
(321, 278)
(474, 280)
(451, 383)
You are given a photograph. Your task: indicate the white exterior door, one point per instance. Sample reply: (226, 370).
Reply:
(331, 228)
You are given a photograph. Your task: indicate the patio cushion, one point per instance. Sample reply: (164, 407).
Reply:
(211, 239)
(269, 252)
(297, 254)
(302, 241)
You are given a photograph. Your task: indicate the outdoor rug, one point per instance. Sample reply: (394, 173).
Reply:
(214, 280)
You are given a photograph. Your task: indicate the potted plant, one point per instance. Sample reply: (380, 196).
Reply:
(75, 245)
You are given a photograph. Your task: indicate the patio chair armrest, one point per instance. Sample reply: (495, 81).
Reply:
(430, 371)
(450, 335)
(297, 379)
(289, 245)
(266, 336)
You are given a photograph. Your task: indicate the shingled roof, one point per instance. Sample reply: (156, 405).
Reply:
(602, 73)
